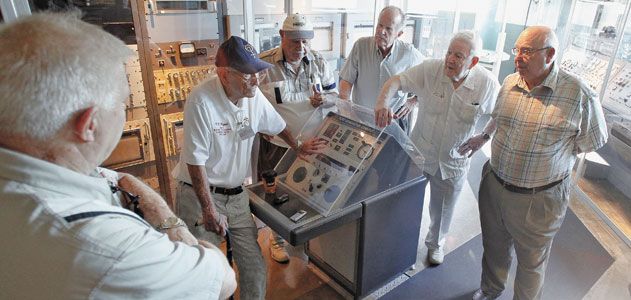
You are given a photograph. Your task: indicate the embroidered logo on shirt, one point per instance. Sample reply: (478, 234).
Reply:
(222, 128)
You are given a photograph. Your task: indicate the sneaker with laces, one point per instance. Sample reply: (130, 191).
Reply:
(278, 251)
(435, 256)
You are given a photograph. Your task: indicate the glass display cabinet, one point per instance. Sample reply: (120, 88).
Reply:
(347, 202)
(598, 50)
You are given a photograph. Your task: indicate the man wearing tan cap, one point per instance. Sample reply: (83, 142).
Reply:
(297, 83)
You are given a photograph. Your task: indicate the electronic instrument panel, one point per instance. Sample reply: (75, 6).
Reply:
(592, 68)
(180, 66)
(325, 180)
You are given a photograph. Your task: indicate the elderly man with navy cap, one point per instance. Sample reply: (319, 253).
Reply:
(221, 117)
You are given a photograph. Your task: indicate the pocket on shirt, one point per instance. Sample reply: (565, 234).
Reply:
(552, 132)
(467, 113)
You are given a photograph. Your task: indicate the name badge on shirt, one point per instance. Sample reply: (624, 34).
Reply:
(243, 124)
(245, 132)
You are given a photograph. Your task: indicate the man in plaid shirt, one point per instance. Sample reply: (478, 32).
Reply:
(544, 118)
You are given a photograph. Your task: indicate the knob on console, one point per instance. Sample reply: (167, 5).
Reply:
(299, 174)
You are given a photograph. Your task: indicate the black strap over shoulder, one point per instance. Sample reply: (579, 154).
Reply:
(92, 214)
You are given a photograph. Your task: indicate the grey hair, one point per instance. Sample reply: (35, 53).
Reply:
(397, 10)
(57, 66)
(472, 38)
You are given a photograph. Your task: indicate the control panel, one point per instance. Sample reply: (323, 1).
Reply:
(589, 66)
(134, 79)
(592, 68)
(135, 146)
(180, 66)
(176, 84)
(326, 179)
(173, 132)
(618, 94)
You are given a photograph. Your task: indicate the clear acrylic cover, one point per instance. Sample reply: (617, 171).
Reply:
(360, 160)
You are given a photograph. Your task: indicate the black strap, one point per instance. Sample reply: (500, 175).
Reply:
(92, 214)
(279, 99)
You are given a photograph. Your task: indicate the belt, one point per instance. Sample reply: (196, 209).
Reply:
(524, 190)
(221, 190)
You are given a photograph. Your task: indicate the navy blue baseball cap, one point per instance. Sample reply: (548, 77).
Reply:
(238, 54)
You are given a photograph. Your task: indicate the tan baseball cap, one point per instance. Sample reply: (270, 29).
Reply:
(296, 26)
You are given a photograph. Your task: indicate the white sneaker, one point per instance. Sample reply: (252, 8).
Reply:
(435, 256)
(278, 251)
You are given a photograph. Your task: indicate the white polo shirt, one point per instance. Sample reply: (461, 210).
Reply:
(211, 139)
(447, 117)
(111, 256)
(367, 70)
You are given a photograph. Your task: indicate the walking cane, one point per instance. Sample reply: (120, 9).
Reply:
(229, 254)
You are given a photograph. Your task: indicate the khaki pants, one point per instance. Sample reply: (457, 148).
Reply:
(243, 236)
(527, 222)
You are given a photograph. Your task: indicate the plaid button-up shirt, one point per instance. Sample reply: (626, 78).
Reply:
(540, 131)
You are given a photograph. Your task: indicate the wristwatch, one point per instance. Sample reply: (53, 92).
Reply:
(486, 136)
(170, 222)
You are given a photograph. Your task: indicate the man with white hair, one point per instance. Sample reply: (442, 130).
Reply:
(66, 233)
(375, 59)
(298, 82)
(455, 92)
(545, 117)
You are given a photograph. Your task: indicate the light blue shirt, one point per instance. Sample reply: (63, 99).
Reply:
(367, 70)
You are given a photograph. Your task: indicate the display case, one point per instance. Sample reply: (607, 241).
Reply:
(598, 50)
(347, 201)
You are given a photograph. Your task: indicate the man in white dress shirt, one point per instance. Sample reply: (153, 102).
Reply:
(455, 92)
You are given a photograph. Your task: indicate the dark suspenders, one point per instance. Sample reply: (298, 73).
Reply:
(92, 214)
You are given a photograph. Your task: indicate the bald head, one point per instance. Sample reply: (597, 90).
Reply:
(536, 51)
(543, 36)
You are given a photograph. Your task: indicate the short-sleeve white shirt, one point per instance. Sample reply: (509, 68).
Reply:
(368, 70)
(211, 138)
(447, 117)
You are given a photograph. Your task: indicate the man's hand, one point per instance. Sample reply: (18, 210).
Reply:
(214, 222)
(383, 116)
(313, 145)
(472, 144)
(317, 98)
(181, 234)
(406, 108)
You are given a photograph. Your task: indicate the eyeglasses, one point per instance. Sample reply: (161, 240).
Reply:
(260, 76)
(527, 51)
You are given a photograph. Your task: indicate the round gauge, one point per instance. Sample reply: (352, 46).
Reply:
(364, 151)
(300, 174)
